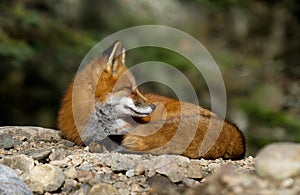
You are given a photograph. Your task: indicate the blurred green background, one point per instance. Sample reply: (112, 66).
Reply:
(255, 44)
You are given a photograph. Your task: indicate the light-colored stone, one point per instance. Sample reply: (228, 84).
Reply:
(70, 173)
(135, 187)
(194, 170)
(279, 161)
(75, 160)
(60, 163)
(190, 182)
(69, 185)
(21, 162)
(103, 189)
(139, 169)
(174, 167)
(58, 154)
(36, 187)
(130, 173)
(50, 176)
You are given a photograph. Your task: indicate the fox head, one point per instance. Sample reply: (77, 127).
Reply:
(101, 99)
(117, 86)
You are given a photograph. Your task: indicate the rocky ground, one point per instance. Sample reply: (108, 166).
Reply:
(36, 160)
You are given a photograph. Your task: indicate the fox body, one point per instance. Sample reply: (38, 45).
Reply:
(104, 100)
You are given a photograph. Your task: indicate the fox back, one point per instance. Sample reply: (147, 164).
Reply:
(104, 100)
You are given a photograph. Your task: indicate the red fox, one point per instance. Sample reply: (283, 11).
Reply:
(104, 100)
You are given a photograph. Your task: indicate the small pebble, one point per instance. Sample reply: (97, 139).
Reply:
(70, 173)
(69, 185)
(85, 176)
(135, 187)
(49, 176)
(191, 182)
(36, 187)
(103, 189)
(130, 173)
(6, 141)
(139, 170)
(75, 160)
(286, 183)
(58, 154)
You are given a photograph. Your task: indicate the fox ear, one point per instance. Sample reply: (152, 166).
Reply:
(116, 57)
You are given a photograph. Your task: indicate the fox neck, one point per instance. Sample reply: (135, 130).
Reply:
(104, 121)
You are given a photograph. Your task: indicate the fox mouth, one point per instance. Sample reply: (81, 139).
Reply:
(139, 113)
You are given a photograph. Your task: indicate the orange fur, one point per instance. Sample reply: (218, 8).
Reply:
(174, 127)
(230, 143)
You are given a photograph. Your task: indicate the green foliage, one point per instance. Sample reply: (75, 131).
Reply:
(36, 52)
(16, 49)
(271, 118)
(268, 125)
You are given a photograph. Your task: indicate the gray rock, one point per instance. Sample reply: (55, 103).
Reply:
(225, 180)
(162, 185)
(10, 183)
(40, 154)
(172, 166)
(121, 166)
(139, 169)
(21, 162)
(69, 185)
(103, 188)
(58, 154)
(84, 189)
(102, 178)
(68, 143)
(6, 141)
(50, 176)
(279, 161)
(38, 133)
(120, 162)
(191, 182)
(85, 176)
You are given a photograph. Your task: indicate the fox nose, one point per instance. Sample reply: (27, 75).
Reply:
(153, 107)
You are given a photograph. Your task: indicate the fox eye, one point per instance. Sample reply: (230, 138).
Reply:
(128, 88)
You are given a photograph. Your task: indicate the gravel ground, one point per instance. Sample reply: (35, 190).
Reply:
(43, 163)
